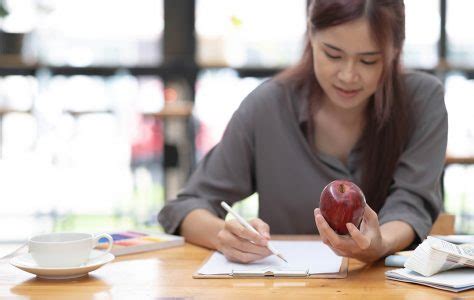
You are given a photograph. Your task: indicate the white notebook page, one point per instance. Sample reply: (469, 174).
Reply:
(313, 256)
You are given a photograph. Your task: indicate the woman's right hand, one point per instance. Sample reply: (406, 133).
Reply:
(239, 244)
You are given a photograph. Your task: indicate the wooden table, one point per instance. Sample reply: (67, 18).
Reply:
(166, 274)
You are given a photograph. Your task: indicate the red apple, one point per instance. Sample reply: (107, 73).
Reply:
(342, 202)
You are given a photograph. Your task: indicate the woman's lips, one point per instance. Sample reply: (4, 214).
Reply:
(346, 93)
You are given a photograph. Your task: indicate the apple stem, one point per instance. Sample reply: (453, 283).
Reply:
(341, 188)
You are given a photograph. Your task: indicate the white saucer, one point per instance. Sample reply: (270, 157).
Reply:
(97, 259)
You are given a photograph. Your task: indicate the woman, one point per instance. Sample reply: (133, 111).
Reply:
(345, 111)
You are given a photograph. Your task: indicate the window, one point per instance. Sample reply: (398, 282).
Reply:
(81, 156)
(250, 33)
(106, 32)
(459, 30)
(422, 27)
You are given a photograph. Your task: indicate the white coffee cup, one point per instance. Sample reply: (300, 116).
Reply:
(65, 249)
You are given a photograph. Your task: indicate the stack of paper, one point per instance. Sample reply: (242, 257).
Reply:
(428, 258)
(432, 264)
(462, 254)
(457, 238)
(452, 280)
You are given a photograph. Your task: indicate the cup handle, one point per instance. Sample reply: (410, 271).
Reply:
(110, 242)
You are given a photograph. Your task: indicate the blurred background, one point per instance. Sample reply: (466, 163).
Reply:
(106, 106)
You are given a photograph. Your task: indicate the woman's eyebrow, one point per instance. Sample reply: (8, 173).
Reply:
(360, 53)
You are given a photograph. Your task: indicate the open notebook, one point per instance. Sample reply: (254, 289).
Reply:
(305, 259)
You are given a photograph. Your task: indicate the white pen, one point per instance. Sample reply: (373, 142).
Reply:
(249, 227)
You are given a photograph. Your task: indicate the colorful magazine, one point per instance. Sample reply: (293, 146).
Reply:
(133, 241)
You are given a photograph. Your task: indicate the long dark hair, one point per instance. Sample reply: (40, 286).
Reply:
(388, 119)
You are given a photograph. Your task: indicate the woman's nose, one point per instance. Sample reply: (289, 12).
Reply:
(348, 73)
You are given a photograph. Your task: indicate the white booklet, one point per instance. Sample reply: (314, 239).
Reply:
(305, 258)
(435, 255)
(453, 280)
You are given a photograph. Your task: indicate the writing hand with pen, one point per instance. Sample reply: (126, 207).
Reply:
(245, 242)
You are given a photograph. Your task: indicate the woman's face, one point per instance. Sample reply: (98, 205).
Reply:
(348, 64)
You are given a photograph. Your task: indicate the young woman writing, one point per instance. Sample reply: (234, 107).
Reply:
(346, 110)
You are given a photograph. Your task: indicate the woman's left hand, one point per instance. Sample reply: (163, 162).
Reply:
(366, 244)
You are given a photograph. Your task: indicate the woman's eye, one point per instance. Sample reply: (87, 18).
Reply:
(368, 62)
(331, 56)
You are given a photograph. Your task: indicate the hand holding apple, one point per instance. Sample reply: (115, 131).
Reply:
(342, 209)
(369, 242)
(342, 202)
